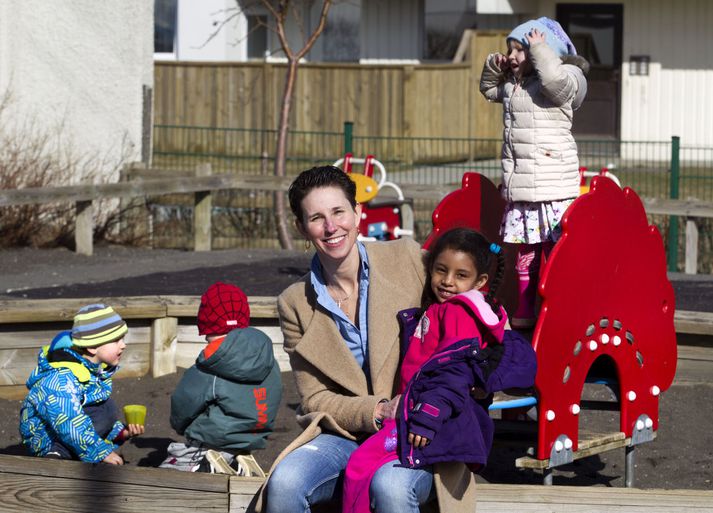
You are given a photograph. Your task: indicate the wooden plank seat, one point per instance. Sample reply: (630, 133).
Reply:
(606, 302)
(40, 484)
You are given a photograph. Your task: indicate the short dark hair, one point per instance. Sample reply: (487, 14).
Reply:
(314, 178)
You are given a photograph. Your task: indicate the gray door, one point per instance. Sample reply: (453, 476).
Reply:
(596, 31)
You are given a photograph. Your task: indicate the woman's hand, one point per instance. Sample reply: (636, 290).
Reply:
(535, 36)
(418, 440)
(387, 409)
(113, 459)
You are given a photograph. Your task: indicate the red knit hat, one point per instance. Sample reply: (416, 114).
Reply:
(224, 307)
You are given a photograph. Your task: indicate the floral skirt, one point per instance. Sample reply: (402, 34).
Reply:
(526, 222)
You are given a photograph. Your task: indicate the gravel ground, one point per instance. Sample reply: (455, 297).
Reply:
(681, 457)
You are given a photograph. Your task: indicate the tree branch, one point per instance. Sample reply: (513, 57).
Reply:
(222, 24)
(317, 31)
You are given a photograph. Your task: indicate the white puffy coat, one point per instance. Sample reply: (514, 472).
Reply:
(539, 155)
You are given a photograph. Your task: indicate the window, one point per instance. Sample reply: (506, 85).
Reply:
(165, 15)
(445, 22)
(257, 36)
(340, 40)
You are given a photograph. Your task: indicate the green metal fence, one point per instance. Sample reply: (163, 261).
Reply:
(665, 169)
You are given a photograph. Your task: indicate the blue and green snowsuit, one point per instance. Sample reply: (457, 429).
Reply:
(62, 387)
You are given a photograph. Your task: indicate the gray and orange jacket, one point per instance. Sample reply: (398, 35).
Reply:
(229, 399)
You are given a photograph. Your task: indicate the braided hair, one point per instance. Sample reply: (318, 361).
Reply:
(472, 243)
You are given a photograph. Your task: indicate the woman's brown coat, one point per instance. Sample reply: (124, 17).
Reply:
(334, 392)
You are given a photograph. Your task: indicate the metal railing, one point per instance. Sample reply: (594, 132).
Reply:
(654, 169)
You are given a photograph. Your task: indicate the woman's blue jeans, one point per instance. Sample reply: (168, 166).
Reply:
(313, 474)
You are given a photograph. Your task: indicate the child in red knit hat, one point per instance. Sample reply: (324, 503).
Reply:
(225, 405)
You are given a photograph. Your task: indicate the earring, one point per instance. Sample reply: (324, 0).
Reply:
(307, 245)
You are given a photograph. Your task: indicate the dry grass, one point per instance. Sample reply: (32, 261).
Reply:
(32, 155)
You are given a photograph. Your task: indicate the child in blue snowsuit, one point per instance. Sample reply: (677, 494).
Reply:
(68, 412)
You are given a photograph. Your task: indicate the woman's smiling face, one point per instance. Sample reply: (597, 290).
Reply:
(329, 222)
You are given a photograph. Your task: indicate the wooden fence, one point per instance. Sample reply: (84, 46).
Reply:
(381, 100)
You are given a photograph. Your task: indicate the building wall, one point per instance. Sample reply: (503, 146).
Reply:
(80, 69)
(210, 30)
(392, 30)
(674, 99)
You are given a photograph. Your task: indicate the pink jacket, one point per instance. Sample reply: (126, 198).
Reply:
(448, 322)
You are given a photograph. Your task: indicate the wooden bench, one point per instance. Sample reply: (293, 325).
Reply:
(163, 336)
(39, 485)
(162, 333)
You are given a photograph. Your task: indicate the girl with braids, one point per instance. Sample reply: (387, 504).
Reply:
(453, 360)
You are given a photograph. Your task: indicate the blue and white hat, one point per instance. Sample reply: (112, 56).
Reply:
(555, 36)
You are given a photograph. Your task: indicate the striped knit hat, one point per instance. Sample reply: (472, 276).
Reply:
(97, 324)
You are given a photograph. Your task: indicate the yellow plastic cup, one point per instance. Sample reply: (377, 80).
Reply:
(135, 414)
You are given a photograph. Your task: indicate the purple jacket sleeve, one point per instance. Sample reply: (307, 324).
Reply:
(448, 389)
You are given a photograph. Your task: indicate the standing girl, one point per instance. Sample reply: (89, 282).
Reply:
(540, 83)
(449, 354)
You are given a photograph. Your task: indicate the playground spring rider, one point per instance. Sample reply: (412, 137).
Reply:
(607, 306)
(584, 174)
(382, 218)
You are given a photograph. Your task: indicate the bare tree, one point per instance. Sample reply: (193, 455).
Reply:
(280, 13)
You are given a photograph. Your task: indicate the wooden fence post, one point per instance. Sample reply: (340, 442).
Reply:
(84, 228)
(136, 222)
(164, 340)
(691, 246)
(202, 210)
(410, 117)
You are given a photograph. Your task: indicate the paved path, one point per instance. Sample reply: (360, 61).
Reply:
(121, 271)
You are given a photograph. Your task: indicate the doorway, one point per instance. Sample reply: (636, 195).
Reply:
(596, 31)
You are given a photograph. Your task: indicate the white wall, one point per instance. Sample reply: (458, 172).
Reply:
(210, 30)
(675, 98)
(80, 66)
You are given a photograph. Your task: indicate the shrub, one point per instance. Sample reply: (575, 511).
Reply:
(33, 156)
